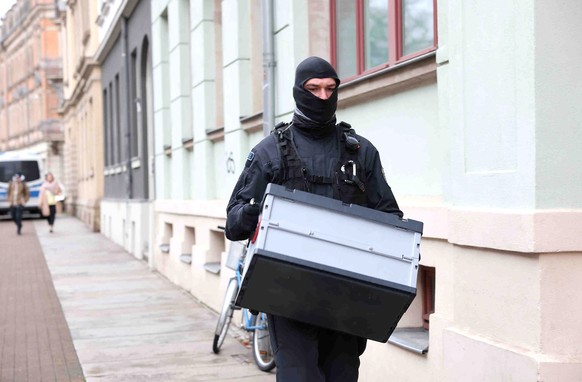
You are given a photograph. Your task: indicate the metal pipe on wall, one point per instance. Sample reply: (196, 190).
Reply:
(268, 67)
(128, 84)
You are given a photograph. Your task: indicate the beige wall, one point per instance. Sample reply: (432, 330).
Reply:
(82, 110)
(89, 169)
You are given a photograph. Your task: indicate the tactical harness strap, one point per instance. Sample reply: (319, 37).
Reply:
(347, 185)
(349, 156)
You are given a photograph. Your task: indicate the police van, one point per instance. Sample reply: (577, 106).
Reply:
(30, 167)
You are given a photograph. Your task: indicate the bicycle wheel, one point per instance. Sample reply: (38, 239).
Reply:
(262, 351)
(225, 315)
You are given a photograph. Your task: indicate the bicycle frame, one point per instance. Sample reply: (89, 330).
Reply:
(257, 325)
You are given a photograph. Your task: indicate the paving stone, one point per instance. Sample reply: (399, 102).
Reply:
(31, 313)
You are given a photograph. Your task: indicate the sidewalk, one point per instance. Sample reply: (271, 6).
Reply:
(126, 322)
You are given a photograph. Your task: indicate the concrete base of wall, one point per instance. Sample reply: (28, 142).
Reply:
(190, 230)
(127, 224)
(90, 213)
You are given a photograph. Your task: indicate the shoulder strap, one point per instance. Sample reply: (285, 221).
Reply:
(349, 146)
(291, 164)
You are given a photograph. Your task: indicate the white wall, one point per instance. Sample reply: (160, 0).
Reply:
(108, 15)
(558, 91)
(490, 110)
(405, 130)
(127, 224)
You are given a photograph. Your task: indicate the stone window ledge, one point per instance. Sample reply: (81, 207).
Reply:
(412, 339)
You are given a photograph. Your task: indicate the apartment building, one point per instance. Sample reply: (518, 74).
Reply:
(473, 107)
(31, 82)
(124, 55)
(81, 111)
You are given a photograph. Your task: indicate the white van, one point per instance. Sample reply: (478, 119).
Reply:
(28, 165)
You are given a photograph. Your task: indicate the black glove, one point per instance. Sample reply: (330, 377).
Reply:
(249, 217)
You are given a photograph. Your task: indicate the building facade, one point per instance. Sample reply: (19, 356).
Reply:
(82, 111)
(207, 113)
(31, 82)
(124, 55)
(473, 110)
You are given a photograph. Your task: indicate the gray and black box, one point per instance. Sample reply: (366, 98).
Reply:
(335, 265)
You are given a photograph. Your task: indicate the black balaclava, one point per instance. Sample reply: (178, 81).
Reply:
(319, 112)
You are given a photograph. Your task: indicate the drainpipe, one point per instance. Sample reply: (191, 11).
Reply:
(268, 67)
(129, 104)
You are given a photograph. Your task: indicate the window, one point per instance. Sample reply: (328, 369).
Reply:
(107, 136)
(412, 331)
(427, 282)
(218, 80)
(111, 126)
(118, 111)
(133, 86)
(165, 74)
(28, 168)
(368, 35)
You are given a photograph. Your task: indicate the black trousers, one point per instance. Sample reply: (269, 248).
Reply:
(16, 212)
(52, 214)
(306, 353)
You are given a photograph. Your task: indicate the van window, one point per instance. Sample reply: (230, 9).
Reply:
(28, 168)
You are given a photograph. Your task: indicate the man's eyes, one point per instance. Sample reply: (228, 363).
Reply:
(312, 88)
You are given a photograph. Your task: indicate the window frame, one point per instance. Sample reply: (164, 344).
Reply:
(416, 339)
(428, 275)
(395, 34)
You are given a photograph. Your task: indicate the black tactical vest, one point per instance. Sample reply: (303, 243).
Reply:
(347, 176)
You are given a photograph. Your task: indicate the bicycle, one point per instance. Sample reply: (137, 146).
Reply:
(257, 324)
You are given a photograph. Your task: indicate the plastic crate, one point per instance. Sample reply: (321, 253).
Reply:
(331, 264)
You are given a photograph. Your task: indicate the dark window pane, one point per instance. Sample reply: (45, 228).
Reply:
(376, 32)
(346, 47)
(418, 25)
(27, 168)
(134, 105)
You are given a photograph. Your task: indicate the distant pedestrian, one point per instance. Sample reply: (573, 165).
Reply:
(48, 198)
(18, 195)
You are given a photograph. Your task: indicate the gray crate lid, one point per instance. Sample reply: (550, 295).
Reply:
(339, 206)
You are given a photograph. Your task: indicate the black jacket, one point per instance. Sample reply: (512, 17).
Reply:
(320, 155)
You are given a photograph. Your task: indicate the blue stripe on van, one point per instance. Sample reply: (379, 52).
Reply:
(33, 193)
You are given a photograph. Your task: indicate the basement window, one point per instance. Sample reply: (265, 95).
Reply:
(416, 339)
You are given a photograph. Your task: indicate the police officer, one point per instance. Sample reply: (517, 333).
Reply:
(316, 155)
